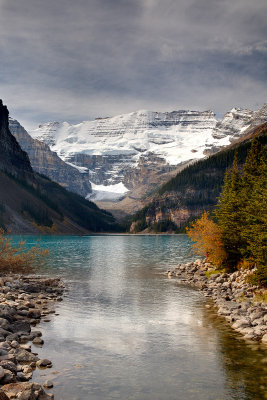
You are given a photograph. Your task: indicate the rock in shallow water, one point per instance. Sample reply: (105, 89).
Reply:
(38, 340)
(48, 384)
(26, 391)
(44, 363)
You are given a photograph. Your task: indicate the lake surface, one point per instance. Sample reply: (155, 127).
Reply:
(125, 331)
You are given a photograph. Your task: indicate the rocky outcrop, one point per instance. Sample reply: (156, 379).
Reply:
(12, 159)
(47, 162)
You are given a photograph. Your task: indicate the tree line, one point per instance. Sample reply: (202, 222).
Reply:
(235, 234)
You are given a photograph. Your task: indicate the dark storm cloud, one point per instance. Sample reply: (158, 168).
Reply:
(76, 60)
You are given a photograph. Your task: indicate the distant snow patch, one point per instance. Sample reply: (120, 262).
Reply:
(82, 170)
(107, 193)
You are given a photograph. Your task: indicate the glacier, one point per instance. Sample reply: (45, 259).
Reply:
(142, 148)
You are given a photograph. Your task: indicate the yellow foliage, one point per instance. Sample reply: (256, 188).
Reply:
(260, 296)
(17, 259)
(246, 264)
(208, 239)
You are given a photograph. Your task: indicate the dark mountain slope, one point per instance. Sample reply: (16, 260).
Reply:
(31, 203)
(12, 158)
(193, 190)
(47, 162)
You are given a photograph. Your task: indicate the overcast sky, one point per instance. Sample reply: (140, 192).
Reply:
(76, 60)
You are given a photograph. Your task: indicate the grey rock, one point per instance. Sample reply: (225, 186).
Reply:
(43, 363)
(48, 384)
(24, 355)
(259, 321)
(9, 377)
(4, 332)
(3, 396)
(26, 391)
(37, 340)
(21, 326)
(11, 366)
(35, 314)
(13, 336)
(241, 323)
(2, 372)
(256, 315)
(5, 324)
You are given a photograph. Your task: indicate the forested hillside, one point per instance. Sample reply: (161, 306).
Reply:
(193, 190)
(235, 235)
(32, 203)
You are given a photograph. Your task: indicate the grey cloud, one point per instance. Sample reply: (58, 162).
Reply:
(66, 60)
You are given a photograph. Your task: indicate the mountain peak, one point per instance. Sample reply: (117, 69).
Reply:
(12, 158)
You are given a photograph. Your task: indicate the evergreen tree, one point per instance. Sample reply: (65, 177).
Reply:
(230, 216)
(254, 231)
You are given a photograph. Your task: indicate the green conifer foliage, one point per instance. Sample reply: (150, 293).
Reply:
(229, 214)
(254, 231)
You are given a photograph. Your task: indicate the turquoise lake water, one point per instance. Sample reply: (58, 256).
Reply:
(125, 331)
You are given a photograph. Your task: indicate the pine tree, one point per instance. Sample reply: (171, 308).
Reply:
(230, 216)
(254, 231)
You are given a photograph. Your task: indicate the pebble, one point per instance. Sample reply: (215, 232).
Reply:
(22, 302)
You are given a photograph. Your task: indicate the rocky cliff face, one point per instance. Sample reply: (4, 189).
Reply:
(47, 162)
(132, 149)
(12, 159)
(127, 156)
(32, 203)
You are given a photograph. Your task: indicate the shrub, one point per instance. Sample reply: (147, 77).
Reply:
(16, 258)
(207, 238)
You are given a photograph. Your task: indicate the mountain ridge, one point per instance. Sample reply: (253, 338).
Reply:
(32, 203)
(194, 189)
(143, 149)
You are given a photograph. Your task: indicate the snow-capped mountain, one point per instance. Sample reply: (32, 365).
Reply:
(143, 148)
(134, 134)
(47, 162)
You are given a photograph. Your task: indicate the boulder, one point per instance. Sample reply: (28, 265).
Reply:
(10, 365)
(3, 396)
(5, 324)
(24, 355)
(4, 332)
(26, 391)
(44, 363)
(37, 340)
(241, 323)
(35, 314)
(9, 377)
(2, 372)
(21, 326)
(48, 384)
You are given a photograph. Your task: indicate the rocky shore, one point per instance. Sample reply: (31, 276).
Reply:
(239, 302)
(23, 302)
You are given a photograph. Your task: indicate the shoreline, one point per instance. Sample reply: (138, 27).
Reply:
(24, 301)
(239, 302)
